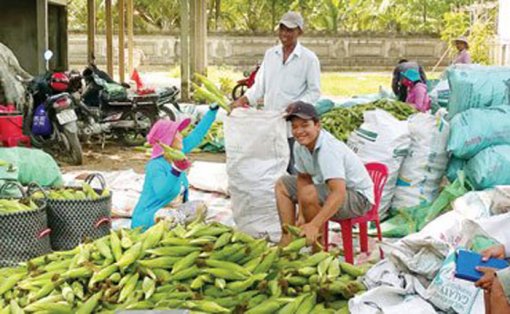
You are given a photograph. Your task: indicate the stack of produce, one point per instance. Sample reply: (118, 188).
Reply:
(209, 92)
(214, 141)
(342, 121)
(87, 192)
(203, 267)
(13, 206)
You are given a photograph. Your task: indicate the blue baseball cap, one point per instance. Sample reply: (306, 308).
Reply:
(412, 75)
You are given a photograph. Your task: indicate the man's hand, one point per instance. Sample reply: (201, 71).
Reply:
(497, 251)
(241, 102)
(311, 232)
(489, 275)
(300, 220)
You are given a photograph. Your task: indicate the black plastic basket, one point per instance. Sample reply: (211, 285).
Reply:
(24, 234)
(75, 221)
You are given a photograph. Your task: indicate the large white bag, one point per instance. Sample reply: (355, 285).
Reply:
(449, 293)
(422, 170)
(384, 139)
(209, 176)
(257, 156)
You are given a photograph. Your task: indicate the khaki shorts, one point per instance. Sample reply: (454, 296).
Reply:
(355, 204)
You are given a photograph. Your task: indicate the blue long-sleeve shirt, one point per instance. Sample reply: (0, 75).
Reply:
(163, 184)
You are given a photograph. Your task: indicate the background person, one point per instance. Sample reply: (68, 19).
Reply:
(396, 85)
(289, 72)
(416, 90)
(463, 55)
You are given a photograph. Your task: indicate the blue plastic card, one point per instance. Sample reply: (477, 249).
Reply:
(467, 261)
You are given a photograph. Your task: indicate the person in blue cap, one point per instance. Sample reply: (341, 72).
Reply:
(416, 90)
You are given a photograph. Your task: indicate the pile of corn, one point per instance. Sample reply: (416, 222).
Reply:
(10, 167)
(342, 121)
(214, 141)
(214, 137)
(202, 267)
(87, 192)
(209, 93)
(13, 206)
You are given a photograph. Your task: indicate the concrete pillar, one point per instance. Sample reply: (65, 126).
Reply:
(91, 29)
(199, 37)
(42, 34)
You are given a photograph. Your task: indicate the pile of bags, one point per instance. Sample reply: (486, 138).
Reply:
(479, 108)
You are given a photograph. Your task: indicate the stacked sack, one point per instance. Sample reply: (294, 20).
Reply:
(422, 170)
(479, 108)
(384, 139)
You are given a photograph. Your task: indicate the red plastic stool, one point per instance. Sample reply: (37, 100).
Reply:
(379, 174)
(16, 141)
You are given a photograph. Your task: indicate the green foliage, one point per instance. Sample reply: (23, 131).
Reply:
(455, 24)
(479, 41)
(255, 16)
(478, 33)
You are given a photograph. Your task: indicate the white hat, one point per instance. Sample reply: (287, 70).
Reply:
(462, 39)
(292, 20)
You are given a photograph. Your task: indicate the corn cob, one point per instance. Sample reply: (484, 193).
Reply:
(171, 153)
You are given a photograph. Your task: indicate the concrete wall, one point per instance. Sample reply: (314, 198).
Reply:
(29, 27)
(335, 53)
(18, 30)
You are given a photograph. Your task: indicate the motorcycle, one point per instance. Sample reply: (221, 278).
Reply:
(108, 110)
(52, 124)
(243, 85)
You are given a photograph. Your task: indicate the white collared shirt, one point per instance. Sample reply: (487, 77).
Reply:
(281, 84)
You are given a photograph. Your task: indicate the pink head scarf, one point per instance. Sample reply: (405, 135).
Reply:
(164, 131)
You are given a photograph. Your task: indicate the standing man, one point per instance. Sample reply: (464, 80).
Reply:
(289, 72)
(462, 45)
(331, 180)
(396, 83)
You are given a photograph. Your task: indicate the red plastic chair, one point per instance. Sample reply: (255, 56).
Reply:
(379, 174)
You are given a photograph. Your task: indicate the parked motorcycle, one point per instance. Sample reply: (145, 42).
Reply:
(243, 85)
(108, 110)
(51, 119)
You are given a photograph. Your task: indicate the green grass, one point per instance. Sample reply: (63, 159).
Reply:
(340, 84)
(334, 84)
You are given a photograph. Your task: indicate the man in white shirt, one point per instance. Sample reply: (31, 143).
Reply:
(289, 72)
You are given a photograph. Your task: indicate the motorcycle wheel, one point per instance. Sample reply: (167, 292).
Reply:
(136, 136)
(239, 91)
(166, 113)
(74, 152)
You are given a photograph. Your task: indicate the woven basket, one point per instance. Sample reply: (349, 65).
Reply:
(25, 234)
(74, 221)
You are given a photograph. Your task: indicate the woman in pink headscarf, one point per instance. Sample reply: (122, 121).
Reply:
(165, 179)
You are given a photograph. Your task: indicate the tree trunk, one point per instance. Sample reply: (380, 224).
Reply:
(424, 11)
(273, 13)
(217, 13)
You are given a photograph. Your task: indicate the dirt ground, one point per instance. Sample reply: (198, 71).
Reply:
(117, 157)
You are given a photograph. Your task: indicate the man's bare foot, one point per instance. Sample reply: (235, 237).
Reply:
(285, 240)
